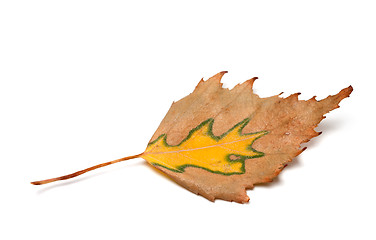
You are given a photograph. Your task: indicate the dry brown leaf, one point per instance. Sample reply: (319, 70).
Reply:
(289, 121)
(218, 142)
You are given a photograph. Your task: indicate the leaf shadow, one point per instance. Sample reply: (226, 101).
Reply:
(326, 127)
(295, 163)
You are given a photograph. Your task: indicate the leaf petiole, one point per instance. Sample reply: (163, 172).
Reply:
(75, 174)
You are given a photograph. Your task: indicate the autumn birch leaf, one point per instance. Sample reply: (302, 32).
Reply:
(218, 142)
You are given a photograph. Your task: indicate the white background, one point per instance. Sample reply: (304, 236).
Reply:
(85, 82)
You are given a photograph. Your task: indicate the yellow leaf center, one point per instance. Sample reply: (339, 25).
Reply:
(225, 154)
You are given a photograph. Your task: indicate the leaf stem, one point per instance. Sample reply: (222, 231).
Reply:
(75, 174)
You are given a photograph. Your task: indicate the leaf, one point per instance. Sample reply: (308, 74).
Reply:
(288, 121)
(218, 142)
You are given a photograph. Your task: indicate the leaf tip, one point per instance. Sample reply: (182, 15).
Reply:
(214, 79)
(252, 81)
(350, 89)
(313, 99)
(294, 96)
(344, 93)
